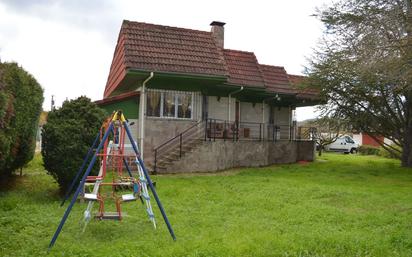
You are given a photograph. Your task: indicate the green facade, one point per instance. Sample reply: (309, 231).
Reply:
(130, 107)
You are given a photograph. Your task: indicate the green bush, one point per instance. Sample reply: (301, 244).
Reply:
(385, 153)
(67, 136)
(368, 150)
(21, 99)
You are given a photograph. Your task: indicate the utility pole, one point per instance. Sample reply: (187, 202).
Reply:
(52, 107)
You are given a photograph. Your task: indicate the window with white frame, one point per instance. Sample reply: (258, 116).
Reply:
(169, 104)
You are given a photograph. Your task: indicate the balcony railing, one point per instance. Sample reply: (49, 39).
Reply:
(214, 129)
(253, 131)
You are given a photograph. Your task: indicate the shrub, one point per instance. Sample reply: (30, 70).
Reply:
(21, 99)
(67, 136)
(368, 150)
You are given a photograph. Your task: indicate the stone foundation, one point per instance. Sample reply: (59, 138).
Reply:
(221, 155)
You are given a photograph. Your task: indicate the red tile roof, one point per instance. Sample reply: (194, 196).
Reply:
(170, 49)
(152, 47)
(118, 68)
(158, 48)
(276, 79)
(243, 68)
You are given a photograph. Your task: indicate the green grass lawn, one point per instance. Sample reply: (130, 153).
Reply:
(341, 205)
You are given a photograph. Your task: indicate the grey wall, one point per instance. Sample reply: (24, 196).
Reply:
(158, 131)
(283, 118)
(250, 113)
(220, 155)
(218, 109)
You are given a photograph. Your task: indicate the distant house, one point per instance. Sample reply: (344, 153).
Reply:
(200, 107)
(377, 140)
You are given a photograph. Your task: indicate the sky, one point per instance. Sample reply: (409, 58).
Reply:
(68, 45)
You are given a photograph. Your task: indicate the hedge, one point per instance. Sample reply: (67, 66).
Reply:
(368, 150)
(380, 151)
(67, 136)
(21, 99)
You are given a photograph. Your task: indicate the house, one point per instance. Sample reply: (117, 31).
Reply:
(376, 140)
(197, 106)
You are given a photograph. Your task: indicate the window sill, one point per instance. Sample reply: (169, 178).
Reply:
(169, 119)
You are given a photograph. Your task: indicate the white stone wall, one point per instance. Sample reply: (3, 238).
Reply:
(282, 116)
(254, 113)
(219, 109)
(283, 119)
(357, 138)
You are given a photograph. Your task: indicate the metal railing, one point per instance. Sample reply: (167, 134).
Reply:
(306, 133)
(176, 143)
(251, 131)
(215, 129)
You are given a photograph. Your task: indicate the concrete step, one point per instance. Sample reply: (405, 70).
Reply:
(175, 154)
(167, 158)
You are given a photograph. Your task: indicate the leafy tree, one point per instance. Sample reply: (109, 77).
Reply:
(364, 68)
(21, 99)
(67, 136)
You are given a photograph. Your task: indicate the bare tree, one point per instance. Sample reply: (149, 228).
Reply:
(326, 131)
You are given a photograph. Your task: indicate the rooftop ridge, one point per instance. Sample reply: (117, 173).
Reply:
(239, 51)
(166, 26)
(274, 66)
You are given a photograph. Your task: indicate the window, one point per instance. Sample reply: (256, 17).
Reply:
(184, 106)
(170, 104)
(349, 140)
(153, 103)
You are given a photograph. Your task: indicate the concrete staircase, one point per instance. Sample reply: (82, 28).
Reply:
(175, 148)
(169, 158)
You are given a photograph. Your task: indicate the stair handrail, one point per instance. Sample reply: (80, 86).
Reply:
(169, 141)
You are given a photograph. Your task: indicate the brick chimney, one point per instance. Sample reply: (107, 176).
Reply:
(218, 32)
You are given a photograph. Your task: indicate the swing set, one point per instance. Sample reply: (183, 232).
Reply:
(114, 156)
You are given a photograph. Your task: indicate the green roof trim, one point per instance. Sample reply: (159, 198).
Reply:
(178, 75)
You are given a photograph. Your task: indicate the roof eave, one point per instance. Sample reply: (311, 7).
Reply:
(220, 78)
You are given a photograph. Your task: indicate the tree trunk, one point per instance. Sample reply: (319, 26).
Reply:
(320, 152)
(407, 144)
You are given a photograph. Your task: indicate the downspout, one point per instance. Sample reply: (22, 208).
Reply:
(143, 111)
(230, 98)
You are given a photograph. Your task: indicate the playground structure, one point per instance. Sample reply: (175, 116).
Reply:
(115, 157)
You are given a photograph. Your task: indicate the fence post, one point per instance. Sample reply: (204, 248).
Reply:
(237, 130)
(224, 131)
(232, 128)
(205, 129)
(273, 133)
(214, 131)
(180, 153)
(210, 128)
